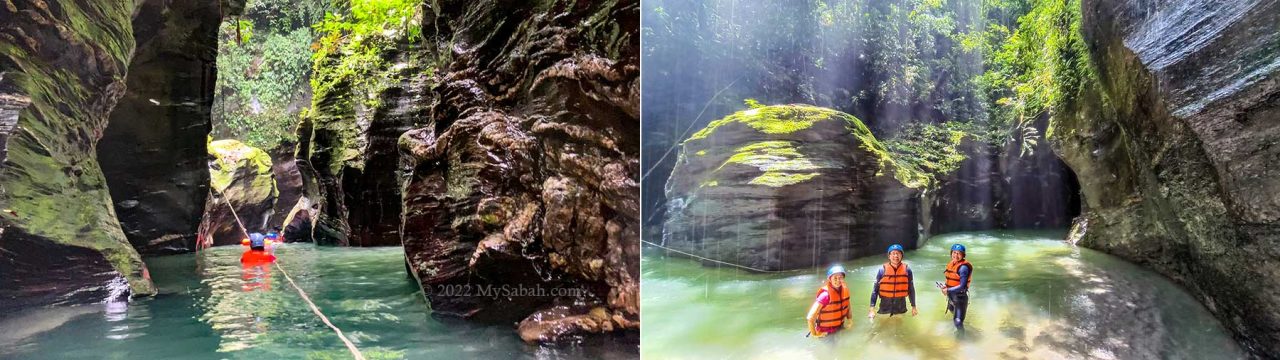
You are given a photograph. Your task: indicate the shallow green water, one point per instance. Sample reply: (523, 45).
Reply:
(1033, 296)
(210, 307)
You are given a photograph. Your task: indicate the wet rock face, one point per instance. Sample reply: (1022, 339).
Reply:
(787, 187)
(243, 178)
(526, 171)
(39, 272)
(62, 69)
(153, 151)
(1174, 152)
(351, 149)
(1001, 188)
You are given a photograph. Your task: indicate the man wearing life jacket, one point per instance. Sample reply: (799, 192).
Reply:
(257, 254)
(956, 289)
(830, 312)
(894, 286)
(256, 263)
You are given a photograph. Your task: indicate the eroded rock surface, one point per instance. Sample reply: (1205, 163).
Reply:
(525, 170)
(62, 69)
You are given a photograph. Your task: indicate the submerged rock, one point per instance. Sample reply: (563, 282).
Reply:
(788, 187)
(1174, 148)
(242, 177)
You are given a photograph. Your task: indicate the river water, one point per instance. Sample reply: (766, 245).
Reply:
(210, 307)
(1033, 297)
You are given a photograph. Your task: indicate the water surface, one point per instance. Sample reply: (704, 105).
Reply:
(210, 307)
(1034, 297)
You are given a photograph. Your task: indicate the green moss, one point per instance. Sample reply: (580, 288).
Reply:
(51, 179)
(782, 162)
(779, 179)
(777, 119)
(232, 157)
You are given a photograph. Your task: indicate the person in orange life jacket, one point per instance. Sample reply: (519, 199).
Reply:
(959, 274)
(893, 286)
(257, 264)
(257, 253)
(830, 312)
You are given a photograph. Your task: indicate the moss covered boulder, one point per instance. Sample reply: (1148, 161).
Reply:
(240, 176)
(789, 186)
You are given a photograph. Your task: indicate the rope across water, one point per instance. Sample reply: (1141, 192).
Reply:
(355, 352)
(713, 260)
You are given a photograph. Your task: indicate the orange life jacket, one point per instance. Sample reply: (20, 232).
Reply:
(837, 308)
(953, 274)
(256, 257)
(894, 283)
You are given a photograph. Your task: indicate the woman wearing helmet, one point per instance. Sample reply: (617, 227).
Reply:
(830, 312)
(959, 274)
(894, 286)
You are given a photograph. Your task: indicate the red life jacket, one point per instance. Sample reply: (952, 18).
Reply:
(832, 314)
(256, 257)
(894, 283)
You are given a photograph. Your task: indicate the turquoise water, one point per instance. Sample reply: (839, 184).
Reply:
(210, 307)
(1033, 297)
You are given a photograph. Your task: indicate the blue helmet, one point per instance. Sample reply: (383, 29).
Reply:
(256, 240)
(272, 235)
(894, 247)
(835, 269)
(957, 247)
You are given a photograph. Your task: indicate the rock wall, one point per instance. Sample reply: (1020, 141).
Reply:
(788, 187)
(153, 151)
(62, 69)
(1001, 187)
(351, 147)
(1173, 148)
(526, 170)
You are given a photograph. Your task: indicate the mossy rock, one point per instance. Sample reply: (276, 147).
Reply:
(240, 176)
(749, 184)
(231, 157)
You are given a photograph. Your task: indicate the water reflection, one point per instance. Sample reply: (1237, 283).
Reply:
(213, 306)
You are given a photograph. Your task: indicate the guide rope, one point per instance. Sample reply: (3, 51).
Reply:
(355, 352)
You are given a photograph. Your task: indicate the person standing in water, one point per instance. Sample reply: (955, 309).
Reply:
(959, 274)
(830, 312)
(893, 286)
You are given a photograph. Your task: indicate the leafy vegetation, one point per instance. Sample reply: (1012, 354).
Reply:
(263, 68)
(350, 46)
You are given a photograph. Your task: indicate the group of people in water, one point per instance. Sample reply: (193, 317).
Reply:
(894, 288)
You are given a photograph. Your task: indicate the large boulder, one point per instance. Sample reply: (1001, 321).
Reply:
(1175, 150)
(787, 187)
(526, 170)
(62, 69)
(242, 192)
